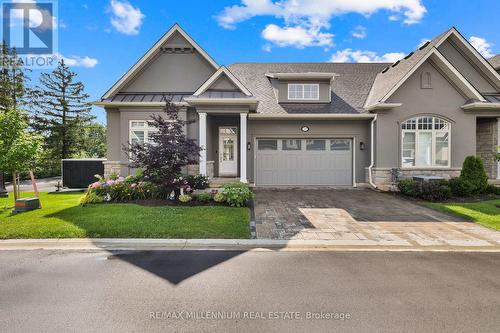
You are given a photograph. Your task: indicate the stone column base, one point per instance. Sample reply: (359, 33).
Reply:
(194, 169)
(382, 177)
(113, 167)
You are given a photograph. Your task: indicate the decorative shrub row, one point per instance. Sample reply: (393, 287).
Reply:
(472, 181)
(131, 188)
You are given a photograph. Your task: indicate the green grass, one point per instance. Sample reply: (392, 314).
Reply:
(486, 213)
(62, 217)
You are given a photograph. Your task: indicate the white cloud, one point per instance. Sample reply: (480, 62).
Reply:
(422, 42)
(309, 17)
(482, 46)
(126, 18)
(359, 32)
(297, 36)
(350, 55)
(35, 17)
(267, 48)
(76, 61)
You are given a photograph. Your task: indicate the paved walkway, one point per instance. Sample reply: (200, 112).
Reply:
(361, 215)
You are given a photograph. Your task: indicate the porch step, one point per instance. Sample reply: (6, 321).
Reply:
(220, 181)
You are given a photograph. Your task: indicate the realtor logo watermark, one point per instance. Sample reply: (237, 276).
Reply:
(31, 28)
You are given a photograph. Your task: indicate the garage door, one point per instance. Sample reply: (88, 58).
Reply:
(304, 162)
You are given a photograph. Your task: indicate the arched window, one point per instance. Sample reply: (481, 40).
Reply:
(426, 80)
(425, 142)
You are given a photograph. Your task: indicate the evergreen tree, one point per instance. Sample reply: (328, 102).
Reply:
(61, 112)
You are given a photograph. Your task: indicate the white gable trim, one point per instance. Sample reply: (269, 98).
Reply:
(211, 80)
(151, 53)
(447, 68)
(487, 68)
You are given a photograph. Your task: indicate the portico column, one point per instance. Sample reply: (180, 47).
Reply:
(203, 142)
(498, 148)
(243, 147)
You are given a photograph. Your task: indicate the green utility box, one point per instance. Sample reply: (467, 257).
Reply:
(26, 204)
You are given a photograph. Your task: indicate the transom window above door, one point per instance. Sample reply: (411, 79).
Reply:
(425, 142)
(303, 91)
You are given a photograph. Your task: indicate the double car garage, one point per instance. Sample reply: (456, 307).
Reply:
(299, 161)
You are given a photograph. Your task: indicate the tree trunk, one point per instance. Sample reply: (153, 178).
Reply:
(14, 185)
(3, 190)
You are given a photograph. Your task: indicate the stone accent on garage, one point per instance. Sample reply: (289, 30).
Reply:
(486, 144)
(113, 167)
(382, 177)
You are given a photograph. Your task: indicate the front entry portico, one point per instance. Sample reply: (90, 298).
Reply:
(222, 137)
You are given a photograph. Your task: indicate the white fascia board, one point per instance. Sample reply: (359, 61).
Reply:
(222, 101)
(481, 106)
(136, 104)
(382, 106)
(455, 76)
(152, 52)
(302, 76)
(222, 70)
(317, 116)
(449, 70)
(487, 67)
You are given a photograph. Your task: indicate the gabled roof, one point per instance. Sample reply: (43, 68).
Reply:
(219, 74)
(151, 53)
(349, 89)
(495, 61)
(391, 78)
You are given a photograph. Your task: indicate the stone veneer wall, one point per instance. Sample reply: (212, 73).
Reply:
(382, 177)
(486, 144)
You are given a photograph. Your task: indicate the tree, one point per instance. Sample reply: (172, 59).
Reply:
(14, 90)
(92, 141)
(19, 148)
(62, 111)
(168, 151)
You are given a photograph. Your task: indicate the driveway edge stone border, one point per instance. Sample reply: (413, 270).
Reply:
(135, 244)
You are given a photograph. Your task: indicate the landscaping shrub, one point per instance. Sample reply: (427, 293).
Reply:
(492, 189)
(428, 190)
(461, 187)
(473, 171)
(91, 197)
(116, 188)
(407, 187)
(204, 197)
(198, 182)
(237, 194)
(184, 198)
(219, 197)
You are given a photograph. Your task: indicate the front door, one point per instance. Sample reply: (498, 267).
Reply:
(228, 151)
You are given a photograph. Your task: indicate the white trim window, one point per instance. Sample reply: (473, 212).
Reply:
(425, 142)
(303, 91)
(141, 131)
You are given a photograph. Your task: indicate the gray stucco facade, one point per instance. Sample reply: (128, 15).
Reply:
(355, 102)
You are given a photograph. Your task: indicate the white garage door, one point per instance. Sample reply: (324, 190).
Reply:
(304, 162)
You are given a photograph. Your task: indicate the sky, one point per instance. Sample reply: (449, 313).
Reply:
(102, 39)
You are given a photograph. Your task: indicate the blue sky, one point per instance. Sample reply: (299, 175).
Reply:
(103, 39)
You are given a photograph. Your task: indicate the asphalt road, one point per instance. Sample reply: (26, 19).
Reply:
(48, 291)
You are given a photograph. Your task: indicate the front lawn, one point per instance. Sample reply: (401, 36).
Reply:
(486, 213)
(62, 217)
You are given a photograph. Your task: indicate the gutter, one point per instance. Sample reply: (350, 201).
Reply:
(311, 116)
(372, 150)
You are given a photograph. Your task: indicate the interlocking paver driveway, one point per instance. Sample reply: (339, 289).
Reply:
(360, 214)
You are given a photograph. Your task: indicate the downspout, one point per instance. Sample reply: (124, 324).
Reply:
(372, 150)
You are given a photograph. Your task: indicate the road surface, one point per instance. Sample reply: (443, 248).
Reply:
(225, 291)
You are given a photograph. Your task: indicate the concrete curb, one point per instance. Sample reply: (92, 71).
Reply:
(136, 244)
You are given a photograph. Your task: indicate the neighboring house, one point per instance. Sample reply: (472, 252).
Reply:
(315, 123)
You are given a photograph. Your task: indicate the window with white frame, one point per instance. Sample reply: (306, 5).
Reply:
(141, 132)
(425, 142)
(303, 91)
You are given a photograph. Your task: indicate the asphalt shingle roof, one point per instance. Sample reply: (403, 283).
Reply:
(384, 82)
(349, 89)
